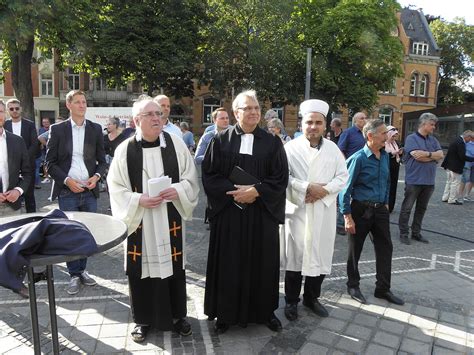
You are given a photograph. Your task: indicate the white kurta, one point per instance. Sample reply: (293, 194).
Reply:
(307, 238)
(125, 204)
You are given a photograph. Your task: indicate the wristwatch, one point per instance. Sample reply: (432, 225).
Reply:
(429, 155)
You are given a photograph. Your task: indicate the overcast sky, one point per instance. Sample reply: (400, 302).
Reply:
(448, 10)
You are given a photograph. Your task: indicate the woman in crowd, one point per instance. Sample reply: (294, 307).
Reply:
(395, 153)
(275, 127)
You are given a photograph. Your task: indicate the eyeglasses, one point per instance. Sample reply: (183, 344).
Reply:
(249, 108)
(15, 108)
(151, 114)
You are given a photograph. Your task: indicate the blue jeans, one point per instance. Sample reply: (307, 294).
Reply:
(83, 202)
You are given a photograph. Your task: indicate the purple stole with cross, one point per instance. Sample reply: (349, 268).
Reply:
(135, 171)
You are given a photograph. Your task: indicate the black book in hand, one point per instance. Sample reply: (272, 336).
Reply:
(239, 176)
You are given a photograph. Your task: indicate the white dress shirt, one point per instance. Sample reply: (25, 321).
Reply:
(78, 170)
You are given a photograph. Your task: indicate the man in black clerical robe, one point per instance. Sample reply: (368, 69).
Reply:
(155, 252)
(242, 280)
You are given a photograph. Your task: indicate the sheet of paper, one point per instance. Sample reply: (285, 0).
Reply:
(156, 185)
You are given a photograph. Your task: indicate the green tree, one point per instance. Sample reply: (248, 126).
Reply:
(46, 24)
(152, 42)
(249, 44)
(355, 53)
(456, 40)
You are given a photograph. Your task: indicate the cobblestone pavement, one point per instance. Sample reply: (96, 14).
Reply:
(436, 281)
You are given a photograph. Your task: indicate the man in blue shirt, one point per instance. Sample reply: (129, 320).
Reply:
(351, 140)
(168, 126)
(421, 154)
(220, 117)
(368, 188)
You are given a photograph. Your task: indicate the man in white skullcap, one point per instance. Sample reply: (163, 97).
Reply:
(317, 174)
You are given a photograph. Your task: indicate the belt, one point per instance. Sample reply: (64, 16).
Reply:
(85, 189)
(371, 204)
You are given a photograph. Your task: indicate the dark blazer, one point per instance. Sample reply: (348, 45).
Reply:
(29, 135)
(18, 164)
(59, 153)
(456, 156)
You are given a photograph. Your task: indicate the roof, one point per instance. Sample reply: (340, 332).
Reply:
(417, 29)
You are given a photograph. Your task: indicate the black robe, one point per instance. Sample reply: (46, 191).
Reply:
(242, 280)
(155, 301)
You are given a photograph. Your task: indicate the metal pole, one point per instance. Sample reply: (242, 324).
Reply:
(34, 312)
(308, 73)
(52, 309)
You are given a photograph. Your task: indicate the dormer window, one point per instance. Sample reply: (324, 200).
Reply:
(420, 48)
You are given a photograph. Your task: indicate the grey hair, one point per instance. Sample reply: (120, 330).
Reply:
(371, 127)
(337, 121)
(358, 114)
(184, 125)
(139, 103)
(240, 97)
(159, 97)
(468, 133)
(427, 116)
(270, 114)
(277, 123)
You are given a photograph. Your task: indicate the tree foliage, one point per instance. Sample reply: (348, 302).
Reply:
(456, 40)
(248, 44)
(152, 42)
(48, 24)
(355, 52)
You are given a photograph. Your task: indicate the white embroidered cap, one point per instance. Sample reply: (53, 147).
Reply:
(314, 105)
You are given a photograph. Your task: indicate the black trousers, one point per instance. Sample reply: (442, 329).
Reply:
(312, 286)
(375, 221)
(29, 196)
(394, 171)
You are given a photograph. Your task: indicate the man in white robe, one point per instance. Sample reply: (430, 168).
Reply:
(317, 174)
(155, 248)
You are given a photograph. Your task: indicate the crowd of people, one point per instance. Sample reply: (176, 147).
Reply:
(273, 203)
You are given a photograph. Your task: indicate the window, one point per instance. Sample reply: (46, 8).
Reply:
(420, 48)
(423, 88)
(210, 104)
(419, 85)
(73, 79)
(46, 84)
(413, 84)
(385, 114)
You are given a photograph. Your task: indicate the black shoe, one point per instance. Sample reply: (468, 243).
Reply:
(291, 311)
(419, 238)
(389, 296)
(23, 292)
(182, 327)
(220, 327)
(356, 294)
(316, 307)
(457, 203)
(405, 240)
(274, 323)
(139, 333)
(39, 276)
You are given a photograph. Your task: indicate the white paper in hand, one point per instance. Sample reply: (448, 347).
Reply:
(156, 185)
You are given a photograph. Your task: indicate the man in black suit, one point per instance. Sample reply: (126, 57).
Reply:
(454, 165)
(26, 129)
(75, 159)
(14, 162)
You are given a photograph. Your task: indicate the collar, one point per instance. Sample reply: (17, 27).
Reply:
(73, 124)
(139, 137)
(421, 136)
(318, 146)
(368, 152)
(4, 133)
(257, 132)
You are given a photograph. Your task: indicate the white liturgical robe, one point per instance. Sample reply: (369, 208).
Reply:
(156, 255)
(307, 238)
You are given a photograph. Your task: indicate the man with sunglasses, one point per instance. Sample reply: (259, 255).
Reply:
(26, 129)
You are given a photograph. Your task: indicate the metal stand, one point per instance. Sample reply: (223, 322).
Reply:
(34, 310)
